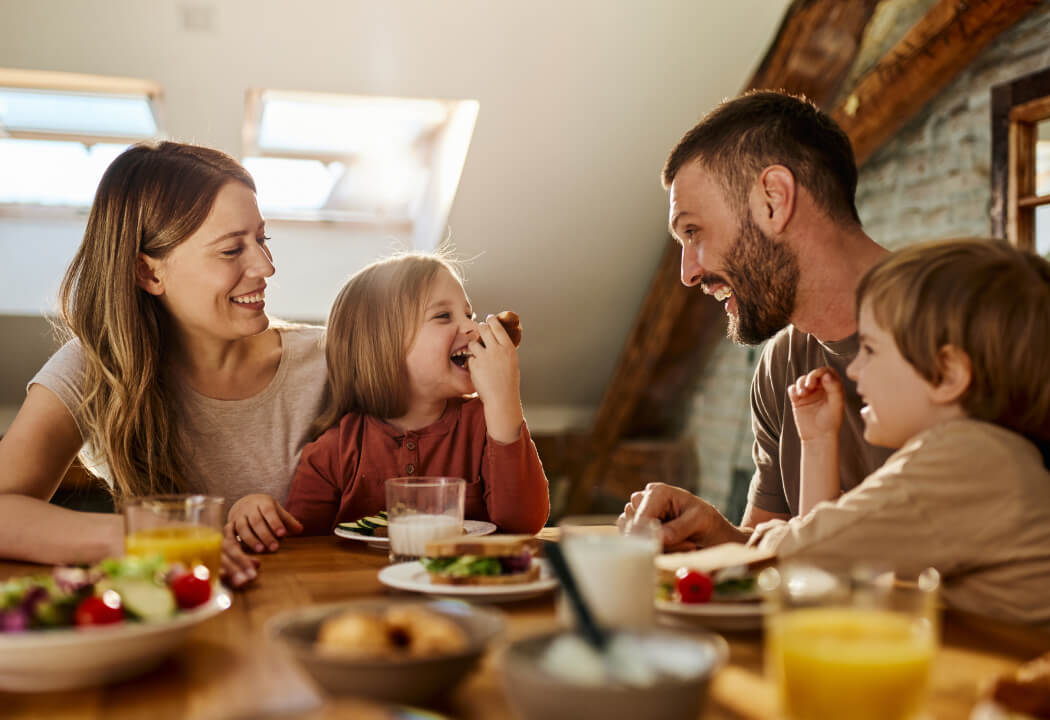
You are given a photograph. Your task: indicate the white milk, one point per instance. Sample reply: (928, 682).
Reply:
(615, 573)
(409, 534)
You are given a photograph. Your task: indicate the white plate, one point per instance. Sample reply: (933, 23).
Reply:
(44, 660)
(411, 576)
(718, 616)
(470, 527)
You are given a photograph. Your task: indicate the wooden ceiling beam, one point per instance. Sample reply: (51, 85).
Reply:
(677, 326)
(941, 44)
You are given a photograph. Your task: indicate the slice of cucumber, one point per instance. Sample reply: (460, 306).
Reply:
(144, 599)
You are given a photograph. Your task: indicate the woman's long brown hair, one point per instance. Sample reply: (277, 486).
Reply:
(150, 199)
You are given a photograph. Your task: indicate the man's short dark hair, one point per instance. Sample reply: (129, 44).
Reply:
(743, 136)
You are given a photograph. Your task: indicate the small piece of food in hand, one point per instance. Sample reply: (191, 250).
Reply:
(401, 632)
(512, 324)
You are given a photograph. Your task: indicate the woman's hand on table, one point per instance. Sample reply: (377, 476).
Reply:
(238, 568)
(258, 521)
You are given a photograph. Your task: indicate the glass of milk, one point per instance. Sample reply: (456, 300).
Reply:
(613, 568)
(421, 509)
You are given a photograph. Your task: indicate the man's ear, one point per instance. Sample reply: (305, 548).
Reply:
(956, 375)
(147, 276)
(773, 199)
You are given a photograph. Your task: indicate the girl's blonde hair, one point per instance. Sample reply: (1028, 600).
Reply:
(370, 328)
(985, 297)
(150, 199)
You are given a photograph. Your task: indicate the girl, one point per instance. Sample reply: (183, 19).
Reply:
(404, 352)
(953, 366)
(173, 380)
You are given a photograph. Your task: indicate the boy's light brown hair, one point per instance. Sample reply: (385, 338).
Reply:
(985, 297)
(370, 328)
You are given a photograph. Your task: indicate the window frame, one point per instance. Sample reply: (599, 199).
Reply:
(1017, 108)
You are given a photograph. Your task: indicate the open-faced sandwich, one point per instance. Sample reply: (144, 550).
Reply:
(723, 573)
(489, 560)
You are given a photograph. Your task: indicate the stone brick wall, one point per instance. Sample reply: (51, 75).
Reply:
(931, 180)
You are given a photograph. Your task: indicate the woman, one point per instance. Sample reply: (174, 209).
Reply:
(174, 379)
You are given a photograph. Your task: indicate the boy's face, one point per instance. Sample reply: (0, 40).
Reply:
(898, 400)
(447, 326)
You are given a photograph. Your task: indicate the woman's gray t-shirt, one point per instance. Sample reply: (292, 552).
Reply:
(235, 447)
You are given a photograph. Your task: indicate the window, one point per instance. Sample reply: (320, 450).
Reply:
(1021, 161)
(59, 132)
(350, 158)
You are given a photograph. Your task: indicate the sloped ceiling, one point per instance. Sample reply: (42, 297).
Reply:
(559, 206)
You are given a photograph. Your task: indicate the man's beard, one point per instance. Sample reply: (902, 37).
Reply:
(764, 277)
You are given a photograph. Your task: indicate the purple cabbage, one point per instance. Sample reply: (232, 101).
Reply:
(515, 564)
(15, 620)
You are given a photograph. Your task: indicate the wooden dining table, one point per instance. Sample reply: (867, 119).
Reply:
(229, 670)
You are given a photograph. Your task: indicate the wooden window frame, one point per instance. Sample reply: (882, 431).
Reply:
(1017, 108)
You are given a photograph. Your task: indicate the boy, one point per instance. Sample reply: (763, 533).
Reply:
(954, 368)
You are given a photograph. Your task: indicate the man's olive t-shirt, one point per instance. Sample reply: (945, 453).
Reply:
(777, 451)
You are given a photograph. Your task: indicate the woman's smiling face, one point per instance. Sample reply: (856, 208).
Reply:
(213, 284)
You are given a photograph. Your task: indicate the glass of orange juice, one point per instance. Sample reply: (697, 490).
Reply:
(857, 645)
(184, 529)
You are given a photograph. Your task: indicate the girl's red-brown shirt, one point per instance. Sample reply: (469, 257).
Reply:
(341, 476)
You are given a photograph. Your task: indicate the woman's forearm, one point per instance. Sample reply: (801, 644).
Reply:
(36, 531)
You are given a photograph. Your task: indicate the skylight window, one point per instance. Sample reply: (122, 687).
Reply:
(373, 160)
(75, 123)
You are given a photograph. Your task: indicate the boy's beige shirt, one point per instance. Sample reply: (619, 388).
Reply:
(969, 498)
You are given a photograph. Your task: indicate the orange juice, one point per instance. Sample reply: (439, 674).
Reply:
(850, 663)
(188, 544)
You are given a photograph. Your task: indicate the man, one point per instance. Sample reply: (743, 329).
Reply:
(762, 204)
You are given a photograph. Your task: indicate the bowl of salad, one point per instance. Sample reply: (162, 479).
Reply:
(82, 626)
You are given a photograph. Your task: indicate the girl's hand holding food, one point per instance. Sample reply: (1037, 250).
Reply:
(494, 372)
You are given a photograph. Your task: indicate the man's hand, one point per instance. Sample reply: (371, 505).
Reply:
(258, 521)
(688, 521)
(817, 401)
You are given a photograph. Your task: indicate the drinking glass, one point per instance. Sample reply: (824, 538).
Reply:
(183, 529)
(855, 644)
(420, 509)
(613, 567)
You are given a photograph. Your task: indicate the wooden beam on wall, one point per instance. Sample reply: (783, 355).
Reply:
(813, 50)
(921, 64)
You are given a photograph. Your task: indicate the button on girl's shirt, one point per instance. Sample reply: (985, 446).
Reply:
(410, 469)
(411, 444)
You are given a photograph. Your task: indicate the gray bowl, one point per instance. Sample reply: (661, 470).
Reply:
(409, 680)
(538, 695)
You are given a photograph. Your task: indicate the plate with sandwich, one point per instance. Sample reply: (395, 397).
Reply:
(715, 587)
(496, 568)
(372, 529)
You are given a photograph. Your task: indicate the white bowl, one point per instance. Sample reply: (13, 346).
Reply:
(538, 695)
(45, 660)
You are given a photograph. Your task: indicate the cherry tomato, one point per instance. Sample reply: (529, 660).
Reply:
(191, 590)
(694, 586)
(94, 610)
